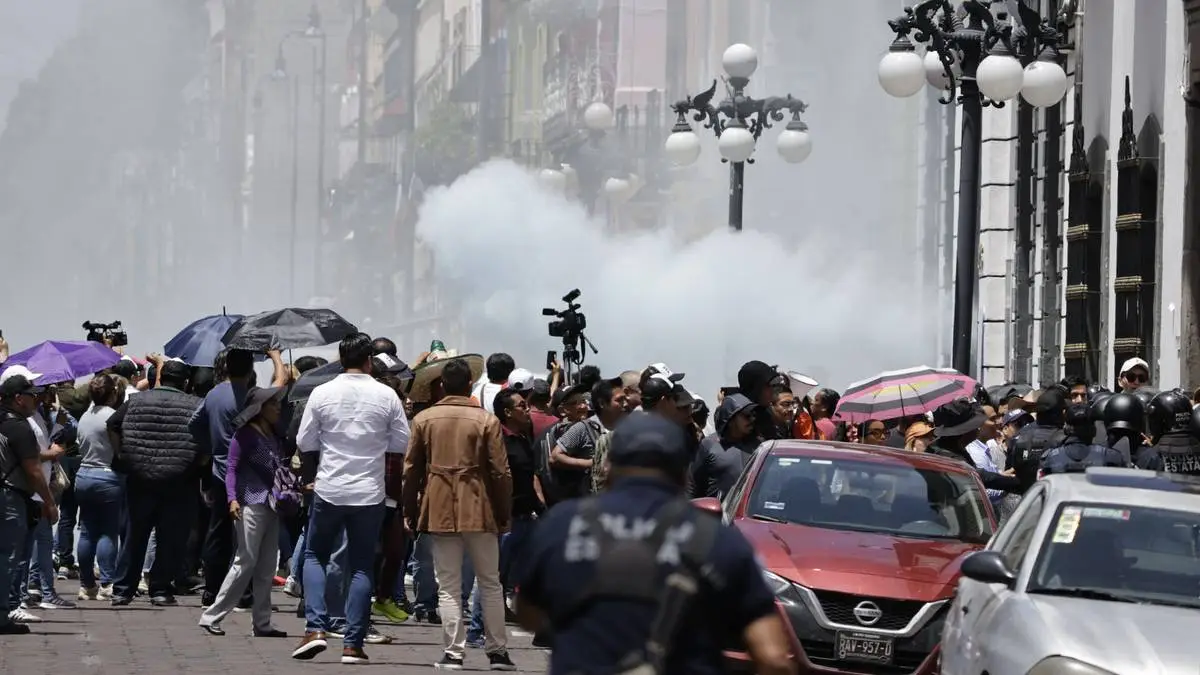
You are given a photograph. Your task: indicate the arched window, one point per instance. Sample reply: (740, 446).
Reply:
(1085, 254)
(1137, 236)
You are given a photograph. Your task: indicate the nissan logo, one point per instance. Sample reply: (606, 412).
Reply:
(868, 613)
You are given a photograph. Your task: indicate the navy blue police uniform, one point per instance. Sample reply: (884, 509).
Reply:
(598, 616)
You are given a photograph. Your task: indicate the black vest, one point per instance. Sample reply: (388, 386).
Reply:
(156, 444)
(1180, 453)
(1076, 457)
(1029, 445)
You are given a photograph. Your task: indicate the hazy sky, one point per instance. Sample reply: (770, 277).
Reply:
(29, 32)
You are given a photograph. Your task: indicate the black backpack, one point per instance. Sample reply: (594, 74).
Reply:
(542, 447)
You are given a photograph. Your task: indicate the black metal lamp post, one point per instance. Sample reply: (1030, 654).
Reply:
(970, 56)
(738, 121)
(597, 166)
(321, 95)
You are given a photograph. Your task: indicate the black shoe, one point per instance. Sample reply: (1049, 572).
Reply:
(121, 600)
(449, 663)
(164, 601)
(271, 633)
(500, 661)
(541, 641)
(14, 628)
(214, 629)
(429, 616)
(207, 599)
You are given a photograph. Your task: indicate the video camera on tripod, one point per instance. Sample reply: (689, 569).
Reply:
(108, 333)
(569, 326)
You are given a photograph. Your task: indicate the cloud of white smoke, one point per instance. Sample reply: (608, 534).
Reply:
(505, 246)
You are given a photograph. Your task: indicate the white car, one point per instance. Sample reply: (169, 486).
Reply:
(1095, 573)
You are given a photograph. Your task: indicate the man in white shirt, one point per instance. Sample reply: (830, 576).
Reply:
(498, 368)
(349, 425)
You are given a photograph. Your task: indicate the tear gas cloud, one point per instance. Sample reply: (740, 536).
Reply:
(505, 246)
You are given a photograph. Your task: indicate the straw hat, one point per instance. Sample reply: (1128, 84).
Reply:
(423, 375)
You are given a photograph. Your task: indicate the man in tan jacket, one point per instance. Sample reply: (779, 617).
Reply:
(458, 488)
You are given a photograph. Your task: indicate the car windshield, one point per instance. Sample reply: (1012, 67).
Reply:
(865, 496)
(1128, 552)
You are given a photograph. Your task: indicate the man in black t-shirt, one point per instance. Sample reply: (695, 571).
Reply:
(21, 470)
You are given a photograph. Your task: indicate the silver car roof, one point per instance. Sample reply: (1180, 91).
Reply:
(1125, 486)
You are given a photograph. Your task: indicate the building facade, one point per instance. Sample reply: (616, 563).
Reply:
(1088, 224)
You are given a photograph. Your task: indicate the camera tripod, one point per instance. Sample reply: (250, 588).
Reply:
(572, 356)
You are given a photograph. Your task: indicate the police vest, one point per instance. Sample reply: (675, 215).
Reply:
(630, 568)
(1180, 453)
(1030, 443)
(1077, 457)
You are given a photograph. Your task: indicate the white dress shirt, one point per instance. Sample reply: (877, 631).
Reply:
(352, 421)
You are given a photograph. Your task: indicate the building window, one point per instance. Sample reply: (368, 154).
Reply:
(1137, 237)
(1085, 253)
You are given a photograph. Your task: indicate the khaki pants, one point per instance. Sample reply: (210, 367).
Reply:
(484, 549)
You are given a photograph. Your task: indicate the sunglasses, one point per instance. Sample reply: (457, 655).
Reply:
(1134, 376)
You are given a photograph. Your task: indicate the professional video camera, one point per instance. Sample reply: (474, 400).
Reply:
(109, 333)
(569, 326)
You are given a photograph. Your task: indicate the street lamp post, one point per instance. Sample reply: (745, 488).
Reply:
(312, 32)
(592, 162)
(970, 57)
(738, 121)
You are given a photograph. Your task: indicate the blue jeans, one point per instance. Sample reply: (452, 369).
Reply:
(13, 529)
(64, 531)
(512, 547)
(100, 495)
(41, 560)
(362, 525)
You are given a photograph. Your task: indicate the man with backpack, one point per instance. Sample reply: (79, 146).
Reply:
(572, 405)
(1025, 450)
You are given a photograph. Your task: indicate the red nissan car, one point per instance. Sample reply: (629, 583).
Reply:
(862, 547)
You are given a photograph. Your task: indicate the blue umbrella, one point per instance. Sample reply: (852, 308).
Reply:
(200, 342)
(65, 361)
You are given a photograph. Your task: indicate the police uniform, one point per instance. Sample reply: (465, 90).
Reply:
(597, 618)
(1075, 456)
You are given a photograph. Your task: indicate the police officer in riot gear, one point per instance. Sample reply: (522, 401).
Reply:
(664, 584)
(1145, 395)
(1125, 419)
(1025, 450)
(1170, 421)
(1098, 403)
(1078, 450)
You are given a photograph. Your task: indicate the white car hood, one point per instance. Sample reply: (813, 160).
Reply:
(1121, 637)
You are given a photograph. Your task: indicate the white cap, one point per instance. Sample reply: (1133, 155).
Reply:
(1135, 362)
(13, 371)
(520, 378)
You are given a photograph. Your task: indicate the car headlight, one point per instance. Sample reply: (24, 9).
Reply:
(776, 583)
(1061, 665)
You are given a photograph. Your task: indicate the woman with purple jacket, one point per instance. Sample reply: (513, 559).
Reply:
(254, 456)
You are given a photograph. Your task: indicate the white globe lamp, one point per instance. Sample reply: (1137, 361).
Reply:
(1044, 84)
(794, 145)
(901, 71)
(736, 143)
(617, 189)
(553, 180)
(935, 72)
(683, 148)
(598, 117)
(740, 61)
(1000, 76)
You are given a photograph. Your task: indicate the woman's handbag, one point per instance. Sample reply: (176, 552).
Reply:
(287, 494)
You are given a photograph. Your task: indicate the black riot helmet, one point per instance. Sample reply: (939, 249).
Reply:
(1145, 395)
(1080, 423)
(1169, 411)
(1099, 403)
(1096, 391)
(1124, 411)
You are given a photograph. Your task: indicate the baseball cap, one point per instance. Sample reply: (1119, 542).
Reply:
(1134, 362)
(16, 380)
(521, 379)
(661, 369)
(649, 441)
(660, 386)
(22, 371)
(567, 392)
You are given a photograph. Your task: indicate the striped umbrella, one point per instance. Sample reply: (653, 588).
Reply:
(901, 393)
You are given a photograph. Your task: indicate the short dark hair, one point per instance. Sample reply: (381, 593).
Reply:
(503, 405)
(307, 363)
(1071, 381)
(175, 374)
(456, 378)
(602, 393)
(589, 375)
(239, 363)
(499, 366)
(355, 351)
(780, 388)
(383, 345)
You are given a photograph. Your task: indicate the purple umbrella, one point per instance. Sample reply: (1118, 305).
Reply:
(65, 361)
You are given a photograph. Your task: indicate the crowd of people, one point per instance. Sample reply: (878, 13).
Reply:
(196, 480)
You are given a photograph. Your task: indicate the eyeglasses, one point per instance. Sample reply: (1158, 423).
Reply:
(877, 433)
(1134, 376)
(788, 405)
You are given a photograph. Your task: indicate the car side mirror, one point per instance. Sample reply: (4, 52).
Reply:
(710, 504)
(988, 567)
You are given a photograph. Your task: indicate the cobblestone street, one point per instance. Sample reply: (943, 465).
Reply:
(96, 639)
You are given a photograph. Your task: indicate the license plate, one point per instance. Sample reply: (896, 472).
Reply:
(864, 647)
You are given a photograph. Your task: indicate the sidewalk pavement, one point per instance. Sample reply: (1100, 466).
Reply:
(96, 639)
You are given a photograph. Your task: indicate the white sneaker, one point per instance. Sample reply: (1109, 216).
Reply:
(291, 587)
(105, 592)
(23, 616)
(86, 593)
(144, 585)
